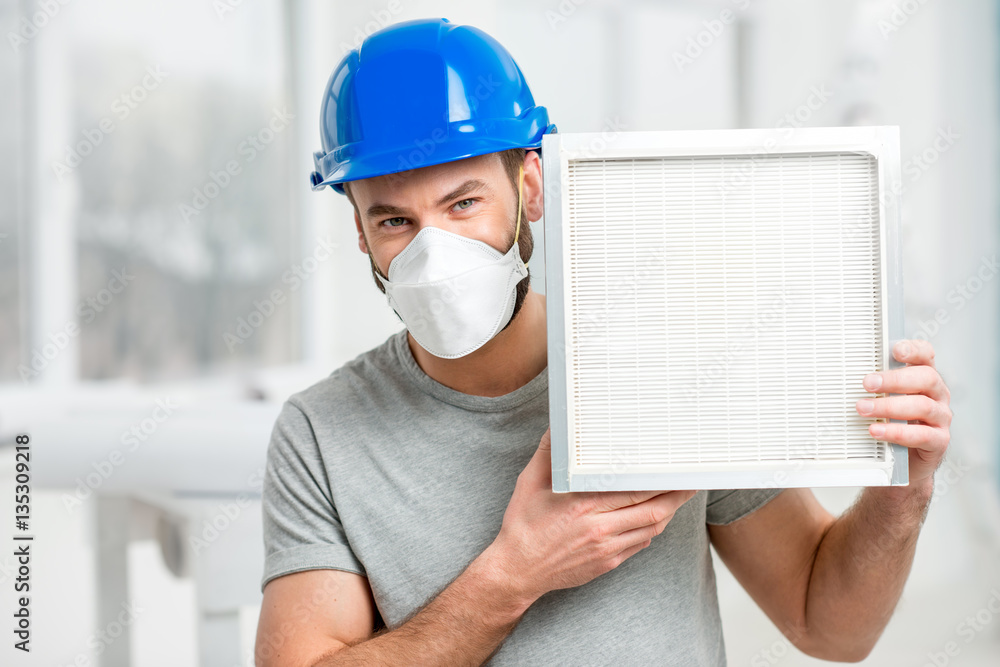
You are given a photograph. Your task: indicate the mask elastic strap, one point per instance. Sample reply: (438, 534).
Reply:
(520, 181)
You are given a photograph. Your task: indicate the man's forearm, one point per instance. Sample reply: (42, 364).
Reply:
(860, 568)
(463, 625)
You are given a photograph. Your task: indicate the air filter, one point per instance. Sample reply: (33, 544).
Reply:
(715, 299)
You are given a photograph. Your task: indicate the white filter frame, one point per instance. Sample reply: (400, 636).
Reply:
(560, 149)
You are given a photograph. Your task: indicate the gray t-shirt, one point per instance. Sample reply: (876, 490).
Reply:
(383, 471)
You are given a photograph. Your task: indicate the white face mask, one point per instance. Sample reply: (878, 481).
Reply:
(454, 293)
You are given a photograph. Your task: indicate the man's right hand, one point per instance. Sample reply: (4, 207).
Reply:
(562, 540)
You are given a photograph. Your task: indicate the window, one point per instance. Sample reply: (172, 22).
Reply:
(167, 160)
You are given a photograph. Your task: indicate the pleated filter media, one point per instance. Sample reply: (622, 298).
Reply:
(714, 300)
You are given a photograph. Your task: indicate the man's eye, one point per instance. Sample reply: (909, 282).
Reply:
(470, 201)
(390, 220)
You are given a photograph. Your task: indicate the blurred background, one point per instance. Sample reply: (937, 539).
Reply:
(168, 278)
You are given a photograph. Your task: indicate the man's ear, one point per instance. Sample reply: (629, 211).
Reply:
(534, 200)
(361, 235)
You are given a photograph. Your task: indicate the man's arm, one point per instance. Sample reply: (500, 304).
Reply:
(306, 613)
(831, 585)
(330, 614)
(464, 625)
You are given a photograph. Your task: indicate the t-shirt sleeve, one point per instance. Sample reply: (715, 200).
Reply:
(727, 505)
(302, 530)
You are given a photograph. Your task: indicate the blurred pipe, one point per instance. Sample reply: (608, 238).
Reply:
(51, 230)
(24, 94)
(291, 15)
(142, 444)
(311, 54)
(113, 598)
(742, 68)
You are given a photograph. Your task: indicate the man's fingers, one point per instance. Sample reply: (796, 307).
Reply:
(546, 441)
(627, 553)
(914, 351)
(647, 513)
(918, 436)
(643, 533)
(609, 501)
(908, 408)
(908, 380)
(539, 468)
(543, 454)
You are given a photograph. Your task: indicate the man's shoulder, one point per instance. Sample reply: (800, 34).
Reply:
(368, 372)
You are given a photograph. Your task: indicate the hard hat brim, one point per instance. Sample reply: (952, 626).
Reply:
(405, 159)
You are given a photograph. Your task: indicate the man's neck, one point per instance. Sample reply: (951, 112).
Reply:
(507, 362)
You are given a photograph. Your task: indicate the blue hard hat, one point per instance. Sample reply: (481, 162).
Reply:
(418, 93)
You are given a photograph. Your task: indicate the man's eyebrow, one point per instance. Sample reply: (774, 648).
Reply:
(471, 185)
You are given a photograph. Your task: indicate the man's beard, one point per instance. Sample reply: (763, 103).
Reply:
(525, 246)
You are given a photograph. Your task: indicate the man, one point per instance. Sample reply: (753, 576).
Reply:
(408, 511)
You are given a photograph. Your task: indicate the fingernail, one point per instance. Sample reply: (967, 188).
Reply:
(902, 350)
(878, 430)
(864, 407)
(873, 381)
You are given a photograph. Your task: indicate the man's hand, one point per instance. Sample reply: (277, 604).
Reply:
(550, 541)
(924, 405)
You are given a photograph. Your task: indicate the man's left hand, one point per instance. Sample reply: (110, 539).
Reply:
(924, 404)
